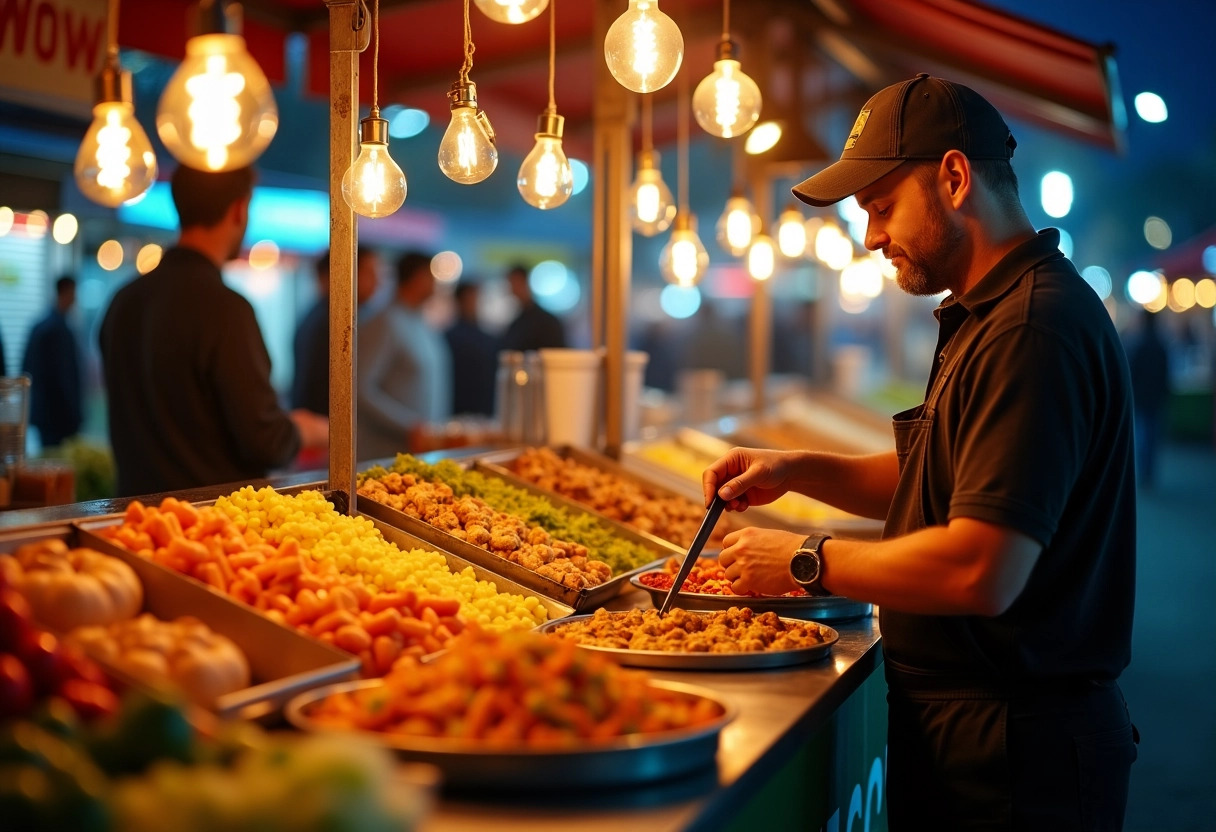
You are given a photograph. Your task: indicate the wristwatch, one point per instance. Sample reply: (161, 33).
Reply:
(806, 566)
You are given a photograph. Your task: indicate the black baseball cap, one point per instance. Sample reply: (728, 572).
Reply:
(920, 118)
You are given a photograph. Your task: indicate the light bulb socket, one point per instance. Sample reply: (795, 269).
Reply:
(684, 221)
(550, 124)
(462, 94)
(373, 130)
(113, 86)
(648, 160)
(218, 17)
(727, 49)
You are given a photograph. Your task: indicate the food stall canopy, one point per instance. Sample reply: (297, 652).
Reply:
(1030, 71)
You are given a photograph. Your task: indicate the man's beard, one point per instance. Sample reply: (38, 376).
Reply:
(926, 268)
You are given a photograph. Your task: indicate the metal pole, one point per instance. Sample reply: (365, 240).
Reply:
(349, 32)
(612, 243)
(761, 319)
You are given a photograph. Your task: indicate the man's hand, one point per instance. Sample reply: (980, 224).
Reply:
(313, 428)
(758, 560)
(747, 477)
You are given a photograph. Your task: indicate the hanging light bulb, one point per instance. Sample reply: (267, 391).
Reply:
(761, 258)
(683, 260)
(373, 185)
(727, 101)
(115, 162)
(467, 153)
(644, 47)
(651, 205)
(738, 225)
(512, 11)
(217, 111)
(791, 233)
(545, 179)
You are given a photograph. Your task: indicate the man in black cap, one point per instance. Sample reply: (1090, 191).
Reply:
(1006, 573)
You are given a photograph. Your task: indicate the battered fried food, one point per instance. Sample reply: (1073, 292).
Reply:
(736, 630)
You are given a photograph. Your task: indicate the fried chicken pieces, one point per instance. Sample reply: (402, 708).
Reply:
(472, 520)
(736, 630)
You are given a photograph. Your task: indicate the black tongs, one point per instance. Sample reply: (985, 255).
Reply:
(694, 551)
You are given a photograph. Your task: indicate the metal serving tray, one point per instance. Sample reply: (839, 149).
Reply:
(805, 607)
(712, 447)
(498, 464)
(282, 661)
(672, 660)
(631, 760)
(577, 599)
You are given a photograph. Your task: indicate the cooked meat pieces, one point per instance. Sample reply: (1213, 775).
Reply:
(736, 630)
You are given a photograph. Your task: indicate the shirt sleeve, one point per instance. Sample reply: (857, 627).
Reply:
(377, 347)
(1026, 419)
(264, 434)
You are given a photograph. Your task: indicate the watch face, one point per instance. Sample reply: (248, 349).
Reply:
(804, 567)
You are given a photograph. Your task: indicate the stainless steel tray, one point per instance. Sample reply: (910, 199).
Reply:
(806, 607)
(671, 660)
(282, 661)
(577, 599)
(498, 464)
(712, 447)
(635, 759)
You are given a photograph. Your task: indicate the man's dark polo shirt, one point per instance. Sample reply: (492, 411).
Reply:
(1033, 431)
(188, 382)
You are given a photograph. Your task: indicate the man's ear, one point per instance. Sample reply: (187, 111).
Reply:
(239, 211)
(955, 177)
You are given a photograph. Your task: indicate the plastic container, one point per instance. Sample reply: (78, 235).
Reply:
(571, 385)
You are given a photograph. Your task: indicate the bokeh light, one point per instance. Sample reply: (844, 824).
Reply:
(1056, 193)
(1144, 287)
(263, 255)
(1099, 280)
(1205, 293)
(762, 137)
(680, 302)
(64, 229)
(1151, 107)
(36, 224)
(148, 258)
(1182, 294)
(447, 266)
(581, 174)
(109, 255)
(406, 122)
(1157, 232)
(6, 220)
(554, 287)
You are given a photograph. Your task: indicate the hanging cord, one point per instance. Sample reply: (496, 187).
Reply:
(467, 66)
(647, 123)
(682, 138)
(376, 59)
(552, 54)
(112, 34)
(725, 19)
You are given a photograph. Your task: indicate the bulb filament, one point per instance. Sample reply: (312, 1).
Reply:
(113, 152)
(214, 111)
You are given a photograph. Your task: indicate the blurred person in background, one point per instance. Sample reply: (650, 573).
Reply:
(405, 368)
(534, 328)
(310, 386)
(52, 360)
(186, 370)
(474, 355)
(1148, 359)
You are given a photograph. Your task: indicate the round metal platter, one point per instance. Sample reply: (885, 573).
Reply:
(670, 660)
(807, 607)
(634, 759)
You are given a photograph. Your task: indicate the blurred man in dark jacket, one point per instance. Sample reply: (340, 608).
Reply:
(52, 361)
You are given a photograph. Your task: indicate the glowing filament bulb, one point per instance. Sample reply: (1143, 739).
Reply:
(512, 11)
(738, 225)
(467, 153)
(683, 260)
(374, 185)
(727, 101)
(643, 47)
(545, 178)
(651, 205)
(115, 162)
(113, 152)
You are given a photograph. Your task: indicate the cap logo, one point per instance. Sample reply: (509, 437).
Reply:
(858, 126)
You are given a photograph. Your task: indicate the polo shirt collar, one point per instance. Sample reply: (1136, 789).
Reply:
(1002, 277)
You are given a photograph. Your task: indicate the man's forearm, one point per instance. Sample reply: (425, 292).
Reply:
(862, 485)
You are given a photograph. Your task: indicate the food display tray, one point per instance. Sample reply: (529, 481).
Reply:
(712, 447)
(805, 607)
(577, 599)
(498, 464)
(632, 760)
(282, 661)
(671, 660)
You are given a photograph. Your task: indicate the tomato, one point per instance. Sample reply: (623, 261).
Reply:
(40, 652)
(80, 666)
(16, 688)
(14, 619)
(90, 700)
